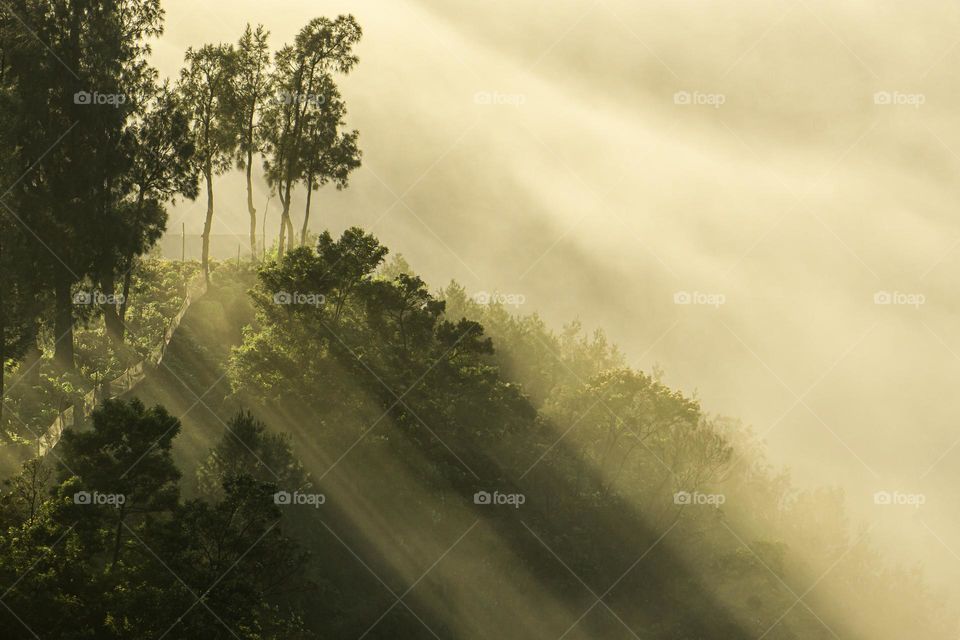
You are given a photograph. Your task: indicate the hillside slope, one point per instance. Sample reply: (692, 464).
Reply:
(400, 411)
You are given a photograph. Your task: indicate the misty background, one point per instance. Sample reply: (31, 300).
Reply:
(783, 163)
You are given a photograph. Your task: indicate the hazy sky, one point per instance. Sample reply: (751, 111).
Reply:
(786, 159)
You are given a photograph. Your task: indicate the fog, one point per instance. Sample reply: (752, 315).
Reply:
(787, 165)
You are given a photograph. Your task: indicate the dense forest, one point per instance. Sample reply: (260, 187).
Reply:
(313, 442)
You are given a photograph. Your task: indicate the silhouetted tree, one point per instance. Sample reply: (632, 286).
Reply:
(213, 569)
(302, 80)
(76, 73)
(161, 152)
(206, 91)
(250, 73)
(18, 302)
(330, 155)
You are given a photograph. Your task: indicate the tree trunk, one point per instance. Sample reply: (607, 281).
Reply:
(63, 320)
(306, 213)
(117, 539)
(127, 277)
(207, 224)
(3, 347)
(111, 320)
(282, 239)
(130, 264)
(3, 357)
(284, 219)
(30, 367)
(250, 207)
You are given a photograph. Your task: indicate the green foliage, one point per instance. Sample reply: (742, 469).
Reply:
(301, 125)
(39, 391)
(79, 563)
(434, 398)
(249, 449)
(205, 88)
(251, 86)
(403, 385)
(126, 437)
(78, 69)
(327, 321)
(533, 354)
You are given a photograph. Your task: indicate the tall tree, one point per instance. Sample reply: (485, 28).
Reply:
(71, 576)
(330, 155)
(77, 71)
(126, 453)
(206, 87)
(302, 75)
(251, 86)
(18, 286)
(18, 303)
(160, 150)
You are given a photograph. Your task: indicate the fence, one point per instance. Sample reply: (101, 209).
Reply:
(223, 246)
(125, 381)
